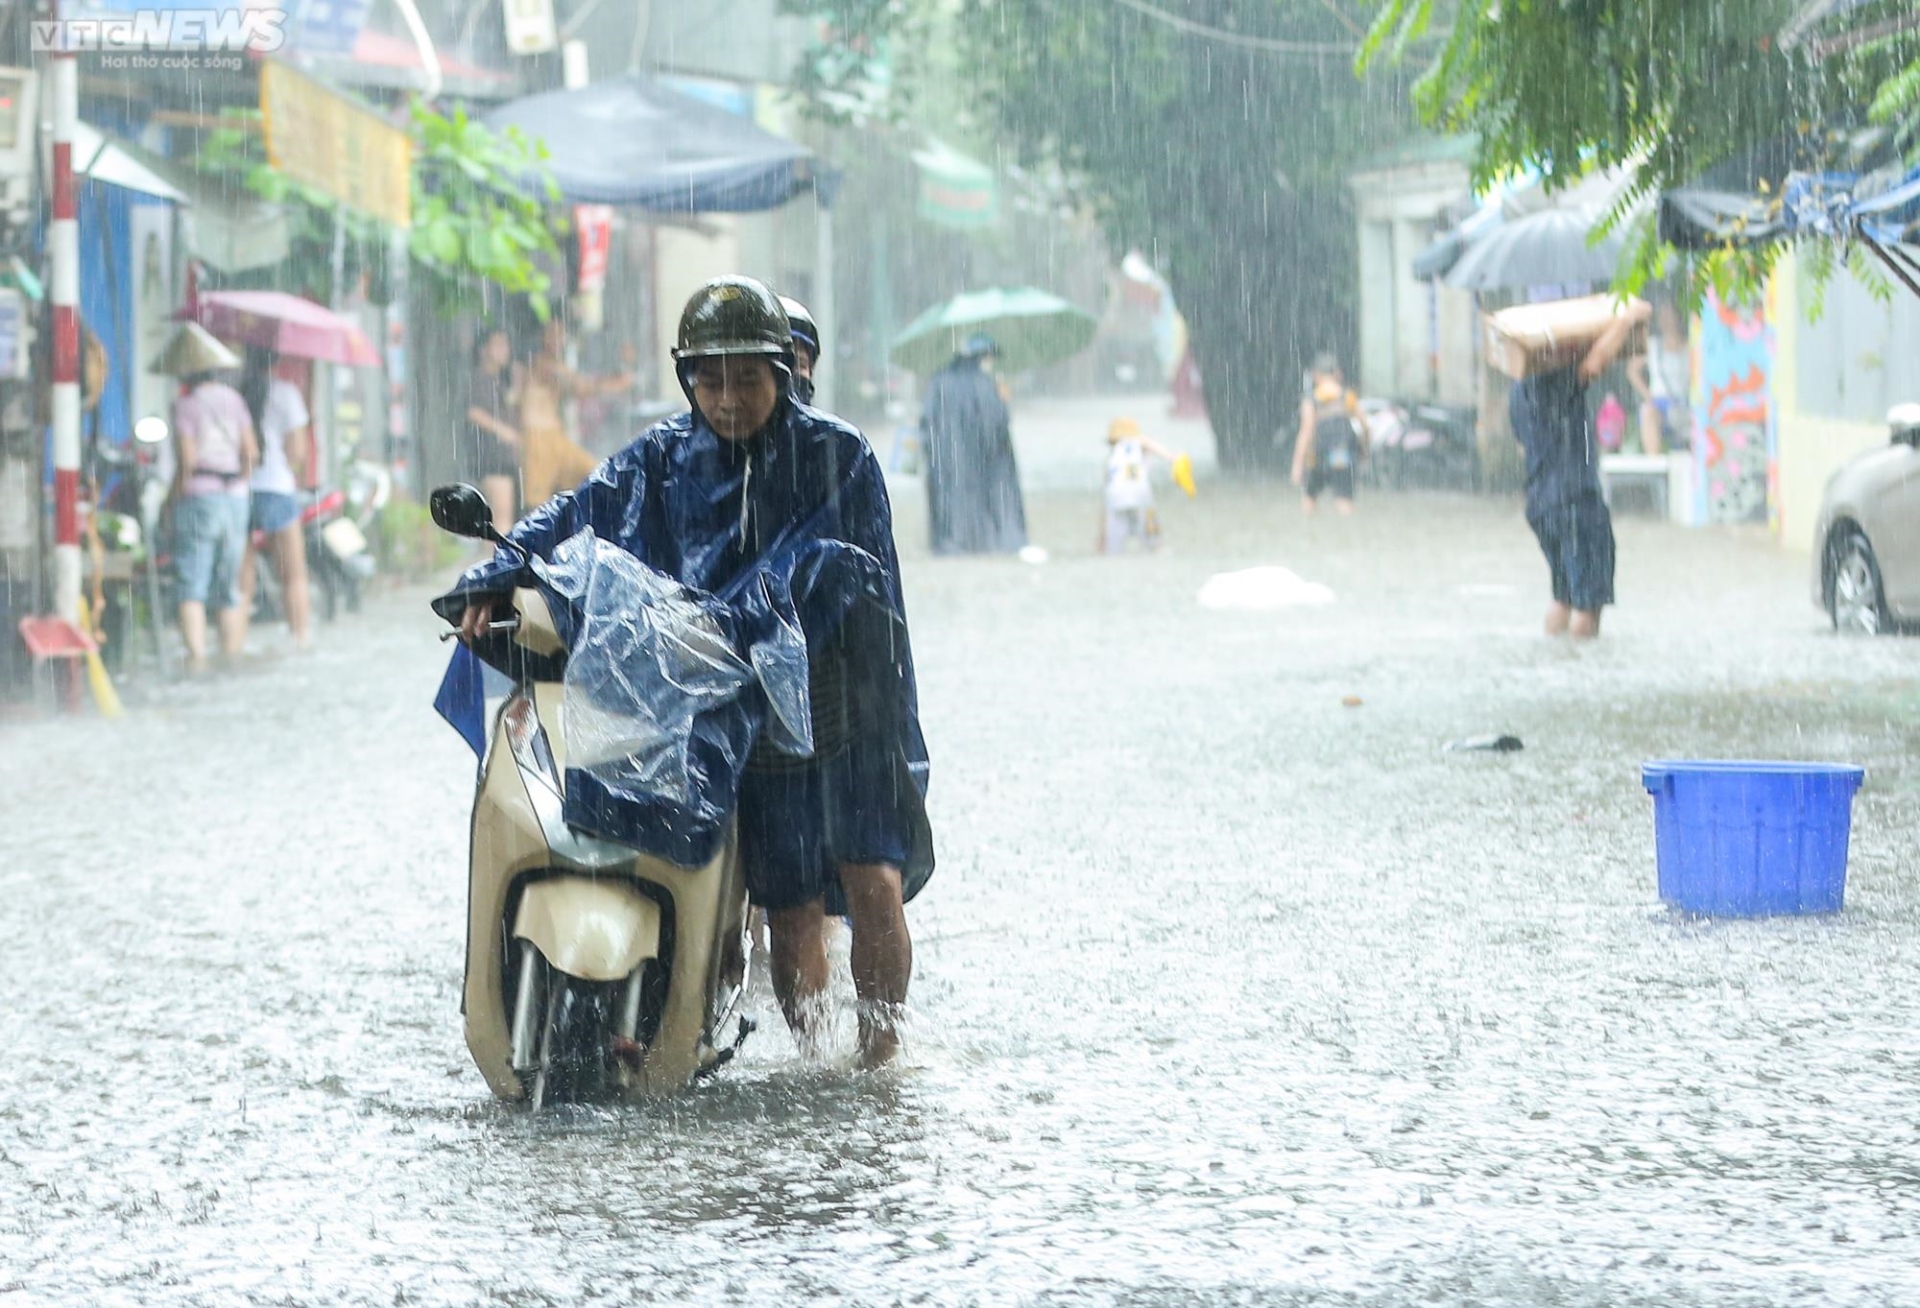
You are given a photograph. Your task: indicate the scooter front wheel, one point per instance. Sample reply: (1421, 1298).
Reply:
(575, 1063)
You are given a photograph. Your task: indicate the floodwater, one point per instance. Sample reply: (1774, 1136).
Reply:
(1227, 991)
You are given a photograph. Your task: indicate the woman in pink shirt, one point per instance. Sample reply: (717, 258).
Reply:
(216, 452)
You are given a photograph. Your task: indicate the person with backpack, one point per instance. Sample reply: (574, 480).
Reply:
(215, 454)
(1333, 439)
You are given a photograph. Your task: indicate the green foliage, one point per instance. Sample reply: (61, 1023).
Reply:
(1897, 103)
(472, 222)
(407, 545)
(868, 60)
(1667, 88)
(234, 155)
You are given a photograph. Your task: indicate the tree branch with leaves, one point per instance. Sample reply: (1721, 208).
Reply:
(475, 223)
(1668, 89)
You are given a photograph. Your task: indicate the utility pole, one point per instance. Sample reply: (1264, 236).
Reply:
(63, 248)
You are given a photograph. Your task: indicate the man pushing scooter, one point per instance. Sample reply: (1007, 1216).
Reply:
(779, 513)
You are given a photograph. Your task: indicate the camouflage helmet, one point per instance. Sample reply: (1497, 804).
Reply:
(731, 316)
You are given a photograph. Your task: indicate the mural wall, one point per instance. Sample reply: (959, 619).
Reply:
(1734, 449)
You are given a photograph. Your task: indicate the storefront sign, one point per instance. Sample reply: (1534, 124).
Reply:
(593, 225)
(530, 26)
(332, 143)
(956, 191)
(13, 335)
(331, 26)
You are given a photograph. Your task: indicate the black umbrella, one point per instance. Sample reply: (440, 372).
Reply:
(1551, 247)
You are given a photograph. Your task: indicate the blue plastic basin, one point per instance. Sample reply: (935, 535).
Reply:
(1752, 839)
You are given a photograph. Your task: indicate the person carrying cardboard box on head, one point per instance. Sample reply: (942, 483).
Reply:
(1565, 506)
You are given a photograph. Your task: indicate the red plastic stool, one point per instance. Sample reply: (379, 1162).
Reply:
(51, 638)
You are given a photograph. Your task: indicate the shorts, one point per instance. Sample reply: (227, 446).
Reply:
(1337, 480)
(274, 512)
(1124, 525)
(1577, 539)
(482, 455)
(798, 824)
(1676, 421)
(209, 542)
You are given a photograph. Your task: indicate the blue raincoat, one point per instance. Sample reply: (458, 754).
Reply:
(786, 540)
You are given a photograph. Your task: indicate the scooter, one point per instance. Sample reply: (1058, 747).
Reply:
(336, 525)
(594, 972)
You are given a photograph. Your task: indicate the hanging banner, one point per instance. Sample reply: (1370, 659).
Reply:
(336, 145)
(593, 226)
(150, 235)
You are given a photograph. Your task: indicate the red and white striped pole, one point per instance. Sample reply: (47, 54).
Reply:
(63, 249)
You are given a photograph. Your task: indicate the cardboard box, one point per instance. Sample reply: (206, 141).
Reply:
(1535, 338)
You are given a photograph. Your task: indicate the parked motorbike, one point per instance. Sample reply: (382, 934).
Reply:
(334, 525)
(128, 521)
(594, 971)
(1423, 445)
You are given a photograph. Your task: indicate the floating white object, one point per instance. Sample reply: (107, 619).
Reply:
(1262, 588)
(1033, 555)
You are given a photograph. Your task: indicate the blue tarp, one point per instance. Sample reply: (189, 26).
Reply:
(1882, 206)
(631, 141)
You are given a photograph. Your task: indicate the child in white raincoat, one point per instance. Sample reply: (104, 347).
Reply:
(1129, 511)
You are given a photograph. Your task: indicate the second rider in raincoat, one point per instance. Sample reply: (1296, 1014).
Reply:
(752, 486)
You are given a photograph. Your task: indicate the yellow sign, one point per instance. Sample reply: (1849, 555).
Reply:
(334, 144)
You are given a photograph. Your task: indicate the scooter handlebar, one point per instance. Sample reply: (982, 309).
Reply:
(505, 624)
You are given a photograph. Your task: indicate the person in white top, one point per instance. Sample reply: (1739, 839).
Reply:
(1662, 377)
(286, 444)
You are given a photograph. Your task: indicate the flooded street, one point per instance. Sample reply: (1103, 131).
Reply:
(1228, 990)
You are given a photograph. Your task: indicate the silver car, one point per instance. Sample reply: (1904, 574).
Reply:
(1866, 557)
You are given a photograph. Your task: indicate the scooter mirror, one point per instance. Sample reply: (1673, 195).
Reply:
(462, 511)
(151, 430)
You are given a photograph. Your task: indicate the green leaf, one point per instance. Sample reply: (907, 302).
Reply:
(442, 241)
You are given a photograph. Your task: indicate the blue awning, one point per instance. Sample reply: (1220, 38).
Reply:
(633, 142)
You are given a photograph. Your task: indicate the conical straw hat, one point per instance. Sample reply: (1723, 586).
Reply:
(194, 349)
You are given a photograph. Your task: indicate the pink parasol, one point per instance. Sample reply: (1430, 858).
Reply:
(275, 320)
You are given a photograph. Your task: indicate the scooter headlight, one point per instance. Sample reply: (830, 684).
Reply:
(520, 723)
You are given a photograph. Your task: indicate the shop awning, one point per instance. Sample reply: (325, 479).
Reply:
(230, 231)
(635, 143)
(101, 158)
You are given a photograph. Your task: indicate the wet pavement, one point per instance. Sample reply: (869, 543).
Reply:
(1228, 990)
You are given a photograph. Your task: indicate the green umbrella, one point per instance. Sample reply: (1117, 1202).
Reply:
(1031, 328)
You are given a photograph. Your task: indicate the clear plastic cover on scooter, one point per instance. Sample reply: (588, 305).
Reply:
(786, 542)
(652, 669)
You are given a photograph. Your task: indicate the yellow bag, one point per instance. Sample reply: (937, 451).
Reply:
(1183, 475)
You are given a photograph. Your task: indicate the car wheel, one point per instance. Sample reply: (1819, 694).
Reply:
(1856, 601)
